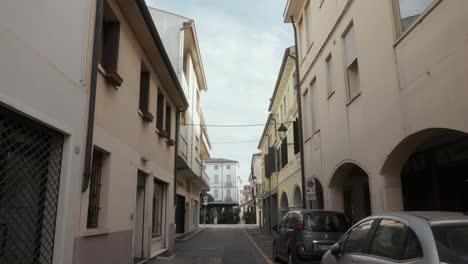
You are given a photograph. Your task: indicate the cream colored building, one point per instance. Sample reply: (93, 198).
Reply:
(127, 210)
(179, 36)
(284, 187)
(384, 90)
(256, 181)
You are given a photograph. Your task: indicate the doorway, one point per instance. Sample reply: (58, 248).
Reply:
(180, 214)
(138, 249)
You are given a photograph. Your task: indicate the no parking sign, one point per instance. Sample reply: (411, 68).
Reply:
(310, 189)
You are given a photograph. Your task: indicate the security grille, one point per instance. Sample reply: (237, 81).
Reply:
(30, 161)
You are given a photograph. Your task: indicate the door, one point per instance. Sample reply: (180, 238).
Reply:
(139, 217)
(180, 214)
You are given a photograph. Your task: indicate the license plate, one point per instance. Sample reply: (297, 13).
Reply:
(324, 247)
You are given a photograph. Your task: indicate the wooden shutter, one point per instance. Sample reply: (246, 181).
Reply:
(144, 91)
(160, 112)
(111, 45)
(168, 121)
(296, 136)
(284, 152)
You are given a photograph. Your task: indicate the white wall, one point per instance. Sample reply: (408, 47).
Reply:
(43, 68)
(222, 173)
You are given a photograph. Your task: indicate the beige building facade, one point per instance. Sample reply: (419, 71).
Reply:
(127, 209)
(179, 36)
(281, 179)
(383, 87)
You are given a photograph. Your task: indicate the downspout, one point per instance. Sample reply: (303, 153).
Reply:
(92, 94)
(299, 110)
(176, 147)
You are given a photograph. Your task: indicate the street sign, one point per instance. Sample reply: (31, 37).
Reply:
(205, 200)
(310, 189)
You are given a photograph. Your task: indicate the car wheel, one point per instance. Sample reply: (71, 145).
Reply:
(275, 254)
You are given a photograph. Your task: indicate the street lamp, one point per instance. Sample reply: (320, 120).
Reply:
(282, 131)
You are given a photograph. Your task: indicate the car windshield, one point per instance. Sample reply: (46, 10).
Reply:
(452, 242)
(325, 222)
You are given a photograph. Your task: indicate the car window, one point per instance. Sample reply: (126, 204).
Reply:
(291, 221)
(396, 241)
(357, 238)
(452, 243)
(325, 222)
(283, 221)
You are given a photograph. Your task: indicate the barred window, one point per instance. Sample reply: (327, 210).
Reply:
(95, 190)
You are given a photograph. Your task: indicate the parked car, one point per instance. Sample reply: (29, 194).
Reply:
(305, 235)
(409, 237)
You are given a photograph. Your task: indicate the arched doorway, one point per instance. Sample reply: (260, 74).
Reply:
(297, 196)
(349, 187)
(428, 170)
(435, 175)
(317, 202)
(284, 200)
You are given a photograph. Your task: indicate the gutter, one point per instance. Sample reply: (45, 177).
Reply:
(176, 148)
(157, 40)
(92, 95)
(299, 108)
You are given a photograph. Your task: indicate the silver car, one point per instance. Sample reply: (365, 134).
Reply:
(408, 237)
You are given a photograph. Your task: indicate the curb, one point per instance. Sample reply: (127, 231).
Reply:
(196, 232)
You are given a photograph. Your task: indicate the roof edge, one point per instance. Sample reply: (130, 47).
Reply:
(287, 52)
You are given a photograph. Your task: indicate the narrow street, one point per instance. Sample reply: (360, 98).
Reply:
(226, 245)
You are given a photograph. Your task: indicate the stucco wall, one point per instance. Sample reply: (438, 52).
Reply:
(43, 80)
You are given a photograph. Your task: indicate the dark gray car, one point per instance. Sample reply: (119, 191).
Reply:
(305, 235)
(409, 237)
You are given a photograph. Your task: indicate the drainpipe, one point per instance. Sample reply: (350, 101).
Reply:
(92, 95)
(299, 107)
(176, 147)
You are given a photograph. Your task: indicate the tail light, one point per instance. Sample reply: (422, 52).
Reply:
(300, 249)
(300, 225)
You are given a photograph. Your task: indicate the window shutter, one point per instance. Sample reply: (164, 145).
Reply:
(144, 91)
(111, 45)
(296, 136)
(278, 159)
(284, 150)
(168, 121)
(160, 112)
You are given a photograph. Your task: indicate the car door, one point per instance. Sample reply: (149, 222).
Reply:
(393, 242)
(355, 243)
(290, 232)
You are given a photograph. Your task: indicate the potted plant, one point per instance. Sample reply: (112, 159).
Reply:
(148, 117)
(170, 142)
(162, 133)
(113, 78)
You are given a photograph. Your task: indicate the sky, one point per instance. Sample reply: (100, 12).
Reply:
(242, 44)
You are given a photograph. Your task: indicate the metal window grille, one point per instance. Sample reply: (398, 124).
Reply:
(95, 190)
(30, 164)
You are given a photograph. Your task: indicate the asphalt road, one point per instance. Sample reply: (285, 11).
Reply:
(227, 245)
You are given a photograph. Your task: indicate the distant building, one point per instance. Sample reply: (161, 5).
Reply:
(223, 181)
(256, 181)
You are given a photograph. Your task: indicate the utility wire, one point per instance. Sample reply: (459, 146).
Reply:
(235, 142)
(240, 125)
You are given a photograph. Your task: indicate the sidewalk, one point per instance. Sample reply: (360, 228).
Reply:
(263, 241)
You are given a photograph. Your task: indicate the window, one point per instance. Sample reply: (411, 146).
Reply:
(330, 85)
(284, 152)
(168, 121)
(394, 240)
(158, 208)
(302, 39)
(357, 239)
(296, 135)
(160, 112)
(216, 179)
(228, 167)
(228, 178)
(315, 106)
(451, 242)
(228, 193)
(216, 194)
(352, 67)
(216, 167)
(109, 50)
(325, 222)
(307, 26)
(144, 89)
(95, 190)
(285, 108)
(409, 10)
(306, 117)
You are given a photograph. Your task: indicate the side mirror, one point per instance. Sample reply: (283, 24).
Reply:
(275, 228)
(335, 250)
